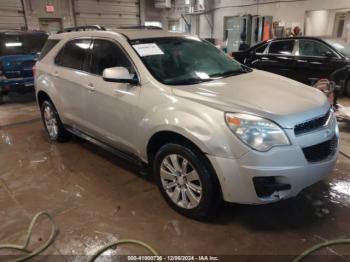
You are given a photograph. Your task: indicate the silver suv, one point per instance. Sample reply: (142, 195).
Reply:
(210, 128)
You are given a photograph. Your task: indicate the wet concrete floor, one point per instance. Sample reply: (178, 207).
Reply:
(96, 198)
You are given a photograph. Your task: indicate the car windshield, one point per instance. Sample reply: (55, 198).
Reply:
(21, 44)
(340, 45)
(185, 60)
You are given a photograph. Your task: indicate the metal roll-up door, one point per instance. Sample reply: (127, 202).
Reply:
(11, 15)
(108, 13)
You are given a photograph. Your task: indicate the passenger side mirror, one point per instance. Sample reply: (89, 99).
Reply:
(119, 75)
(329, 54)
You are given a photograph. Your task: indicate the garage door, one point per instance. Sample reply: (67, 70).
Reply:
(11, 15)
(108, 13)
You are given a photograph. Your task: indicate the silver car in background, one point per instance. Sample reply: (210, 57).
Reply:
(210, 128)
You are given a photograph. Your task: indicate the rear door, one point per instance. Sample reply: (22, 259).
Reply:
(315, 60)
(279, 58)
(111, 106)
(69, 74)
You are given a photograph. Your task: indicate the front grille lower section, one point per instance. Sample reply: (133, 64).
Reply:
(321, 151)
(311, 125)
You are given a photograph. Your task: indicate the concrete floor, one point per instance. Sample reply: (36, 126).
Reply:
(96, 198)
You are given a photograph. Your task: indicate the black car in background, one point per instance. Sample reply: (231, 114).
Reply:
(305, 59)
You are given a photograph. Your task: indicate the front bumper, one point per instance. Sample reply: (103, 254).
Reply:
(286, 165)
(25, 84)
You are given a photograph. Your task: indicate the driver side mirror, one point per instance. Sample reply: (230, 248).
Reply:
(119, 75)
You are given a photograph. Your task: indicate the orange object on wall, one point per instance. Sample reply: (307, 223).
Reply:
(267, 32)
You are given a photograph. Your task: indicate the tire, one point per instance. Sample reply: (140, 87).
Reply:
(52, 123)
(181, 184)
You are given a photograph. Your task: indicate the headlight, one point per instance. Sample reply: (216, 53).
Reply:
(258, 133)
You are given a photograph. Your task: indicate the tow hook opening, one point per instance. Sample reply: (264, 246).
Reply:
(266, 186)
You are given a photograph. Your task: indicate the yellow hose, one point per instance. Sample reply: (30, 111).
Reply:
(31, 254)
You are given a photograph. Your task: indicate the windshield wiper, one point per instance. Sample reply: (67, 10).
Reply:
(244, 69)
(189, 81)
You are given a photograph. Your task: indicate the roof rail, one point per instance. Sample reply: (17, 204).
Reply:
(82, 28)
(145, 27)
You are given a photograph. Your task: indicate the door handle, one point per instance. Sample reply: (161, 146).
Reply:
(90, 87)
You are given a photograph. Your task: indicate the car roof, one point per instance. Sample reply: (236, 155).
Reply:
(296, 38)
(133, 34)
(130, 34)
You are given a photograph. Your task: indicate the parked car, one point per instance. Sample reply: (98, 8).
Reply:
(209, 128)
(305, 59)
(18, 53)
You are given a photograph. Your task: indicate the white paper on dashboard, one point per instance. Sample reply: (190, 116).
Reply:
(148, 49)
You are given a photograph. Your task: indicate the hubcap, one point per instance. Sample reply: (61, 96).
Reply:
(50, 122)
(181, 181)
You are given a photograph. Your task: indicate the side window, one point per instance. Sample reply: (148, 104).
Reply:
(75, 54)
(312, 48)
(47, 47)
(261, 49)
(282, 47)
(107, 54)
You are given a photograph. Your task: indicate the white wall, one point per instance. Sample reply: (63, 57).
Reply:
(292, 13)
(317, 22)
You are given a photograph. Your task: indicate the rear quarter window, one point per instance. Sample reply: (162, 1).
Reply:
(21, 43)
(51, 43)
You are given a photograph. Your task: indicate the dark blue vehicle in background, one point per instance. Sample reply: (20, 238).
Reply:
(18, 53)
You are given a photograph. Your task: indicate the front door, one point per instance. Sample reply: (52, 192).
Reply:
(111, 106)
(315, 61)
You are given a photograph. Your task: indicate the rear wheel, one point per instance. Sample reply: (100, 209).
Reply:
(186, 180)
(52, 122)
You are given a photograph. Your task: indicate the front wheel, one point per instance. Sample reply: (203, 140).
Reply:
(187, 181)
(52, 122)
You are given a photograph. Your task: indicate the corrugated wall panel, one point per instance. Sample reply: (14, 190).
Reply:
(109, 13)
(11, 15)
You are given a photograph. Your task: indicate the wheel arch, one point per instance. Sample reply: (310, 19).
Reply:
(41, 97)
(163, 137)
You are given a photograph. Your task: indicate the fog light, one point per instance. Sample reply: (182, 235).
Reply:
(266, 186)
(337, 133)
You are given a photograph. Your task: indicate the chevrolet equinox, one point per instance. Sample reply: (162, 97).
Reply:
(210, 128)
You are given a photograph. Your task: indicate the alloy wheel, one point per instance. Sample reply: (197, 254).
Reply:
(50, 122)
(181, 181)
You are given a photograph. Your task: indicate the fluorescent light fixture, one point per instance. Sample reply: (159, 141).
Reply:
(13, 44)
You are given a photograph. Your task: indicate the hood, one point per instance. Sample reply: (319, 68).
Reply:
(271, 96)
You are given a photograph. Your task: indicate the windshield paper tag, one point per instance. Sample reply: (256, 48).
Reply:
(148, 49)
